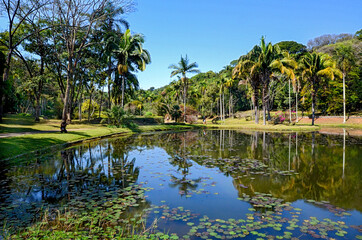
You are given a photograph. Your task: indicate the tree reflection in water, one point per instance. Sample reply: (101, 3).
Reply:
(52, 181)
(327, 167)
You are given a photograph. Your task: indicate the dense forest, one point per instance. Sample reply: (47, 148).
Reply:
(79, 60)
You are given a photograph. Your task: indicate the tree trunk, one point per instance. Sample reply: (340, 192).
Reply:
(89, 106)
(344, 97)
(290, 107)
(296, 105)
(223, 106)
(80, 108)
(264, 108)
(122, 101)
(109, 83)
(37, 108)
(66, 110)
(313, 106)
(185, 101)
(256, 106)
(100, 105)
(5, 78)
(220, 106)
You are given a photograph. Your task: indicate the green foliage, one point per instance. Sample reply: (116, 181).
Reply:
(292, 47)
(358, 35)
(2, 63)
(93, 106)
(118, 116)
(148, 114)
(176, 112)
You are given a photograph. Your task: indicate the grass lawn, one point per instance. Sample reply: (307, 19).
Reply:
(15, 123)
(13, 146)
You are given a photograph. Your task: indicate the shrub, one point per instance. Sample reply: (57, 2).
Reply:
(148, 114)
(191, 119)
(118, 116)
(176, 112)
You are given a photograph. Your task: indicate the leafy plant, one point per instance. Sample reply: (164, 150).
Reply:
(176, 112)
(118, 116)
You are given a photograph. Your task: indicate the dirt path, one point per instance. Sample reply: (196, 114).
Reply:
(331, 120)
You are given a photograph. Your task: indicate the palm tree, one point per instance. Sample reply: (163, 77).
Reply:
(228, 84)
(315, 68)
(345, 58)
(287, 66)
(257, 68)
(182, 68)
(131, 57)
(267, 55)
(247, 73)
(222, 82)
(111, 32)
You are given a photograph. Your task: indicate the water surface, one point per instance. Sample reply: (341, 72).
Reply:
(202, 184)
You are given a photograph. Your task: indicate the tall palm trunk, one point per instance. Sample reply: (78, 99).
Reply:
(185, 102)
(296, 105)
(313, 106)
(344, 97)
(264, 108)
(122, 100)
(290, 107)
(220, 104)
(109, 82)
(100, 105)
(223, 106)
(256, 106)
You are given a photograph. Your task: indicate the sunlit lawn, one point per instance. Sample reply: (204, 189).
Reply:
(16, 123)
(13, 146)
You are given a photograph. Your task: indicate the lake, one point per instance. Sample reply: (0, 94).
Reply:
(203, 184)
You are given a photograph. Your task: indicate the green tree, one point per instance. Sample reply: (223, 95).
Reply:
(131, 57)
(18, 12)
(287, 66)
(259, 68)
(182, 69)
(292, 47)
(246, 71)
(315, 68)
(111, 32)
(344, 55)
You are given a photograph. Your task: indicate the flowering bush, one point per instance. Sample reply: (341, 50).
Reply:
(283, 117)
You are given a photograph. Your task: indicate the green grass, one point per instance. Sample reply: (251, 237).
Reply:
(14, 146)
(16, 124)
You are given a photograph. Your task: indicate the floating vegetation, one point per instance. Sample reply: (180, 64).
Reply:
(240, 165)
(116, 190)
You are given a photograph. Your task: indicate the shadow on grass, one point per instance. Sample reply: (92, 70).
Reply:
(11, 147)
(6, 129)
(14, 146)
(19, 120)
(133, 127)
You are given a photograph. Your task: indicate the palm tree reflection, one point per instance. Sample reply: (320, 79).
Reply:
(183, 183)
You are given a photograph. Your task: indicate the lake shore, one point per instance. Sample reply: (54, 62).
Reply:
(20, 135)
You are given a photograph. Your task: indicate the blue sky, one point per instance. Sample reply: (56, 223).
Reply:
(215, 32)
